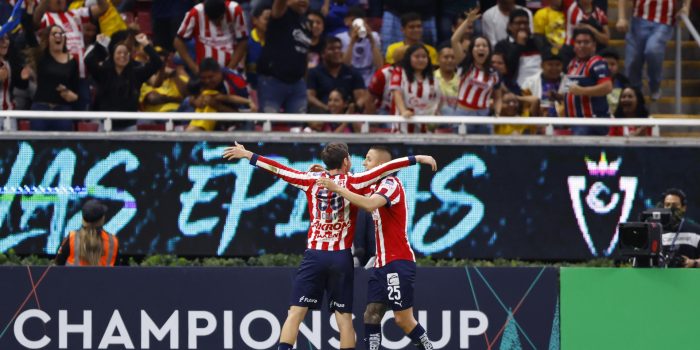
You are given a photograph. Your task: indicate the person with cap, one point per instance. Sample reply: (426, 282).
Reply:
(90, 245)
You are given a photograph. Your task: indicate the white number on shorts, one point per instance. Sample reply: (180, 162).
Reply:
(394, 292)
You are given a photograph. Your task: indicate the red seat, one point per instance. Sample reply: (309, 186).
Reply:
(444, 131)
(24, 125)
(563, 132)
(84, 126)
(151, 127)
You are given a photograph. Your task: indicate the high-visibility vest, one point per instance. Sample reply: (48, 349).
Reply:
(110, 246)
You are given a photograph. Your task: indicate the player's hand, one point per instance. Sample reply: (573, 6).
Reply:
(237, 152)
(328, 183)
(427, 160)
(316, 168)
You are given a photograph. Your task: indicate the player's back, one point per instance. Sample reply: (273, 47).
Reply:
(390, 223)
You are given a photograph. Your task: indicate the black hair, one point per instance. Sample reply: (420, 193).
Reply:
(459, 18)
(410, 17)
(209, 65)
(258, 10)
(214, 9)
(347, 97)
(329, 40)
(383, 148)
(584, 31)
(406, 63)
(518, 12)
(444, 45)
(675, 192)
(356, 12)
(469, 59)
(608, 53)
(315, 13)
(334, 154)
(641, 112)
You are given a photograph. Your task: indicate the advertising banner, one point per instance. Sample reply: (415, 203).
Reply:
(629, 308)
(524, 201)
(244, 308)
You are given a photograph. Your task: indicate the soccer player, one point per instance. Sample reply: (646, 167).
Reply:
(327, 264)
(392, 280)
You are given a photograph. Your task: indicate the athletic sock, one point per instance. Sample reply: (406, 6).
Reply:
(420, 338)
(373, 336)
(285, 346)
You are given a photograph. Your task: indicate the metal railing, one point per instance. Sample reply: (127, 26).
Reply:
(461, 122)
(694, 33)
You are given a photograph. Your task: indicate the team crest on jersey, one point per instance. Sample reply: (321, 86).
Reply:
(392, 279)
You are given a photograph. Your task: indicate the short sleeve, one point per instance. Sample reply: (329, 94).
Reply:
(240, 27)
(358, 83)
(187, 27)
(396, 77)
(389, 189)
(377, 83)
(600, 72)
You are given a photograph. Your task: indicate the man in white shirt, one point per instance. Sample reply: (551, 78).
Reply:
(494, 22)
(361, 46)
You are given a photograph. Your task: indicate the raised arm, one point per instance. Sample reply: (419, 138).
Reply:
(362, 180)
(296, 178)
(456, 40)
(367, 203)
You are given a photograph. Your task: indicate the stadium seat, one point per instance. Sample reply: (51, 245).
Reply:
(24, 125)
(85, 126)
(151, 127)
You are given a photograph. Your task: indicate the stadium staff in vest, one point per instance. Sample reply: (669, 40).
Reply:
(681, 237)
(91, 245)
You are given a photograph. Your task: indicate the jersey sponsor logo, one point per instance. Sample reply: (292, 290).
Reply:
(335, 304)
(304, 299)
(330, 226)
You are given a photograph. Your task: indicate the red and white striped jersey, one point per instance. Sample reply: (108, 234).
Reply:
(574, 16)
(331, 216)
(6, 102)
(659, 11)
(476, 87)
(380, 86)
(390, 223)
(72, 23)
(420, 96)
(211, 40)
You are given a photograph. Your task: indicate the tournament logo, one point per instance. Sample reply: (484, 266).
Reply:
(601, 202)
(392, 279)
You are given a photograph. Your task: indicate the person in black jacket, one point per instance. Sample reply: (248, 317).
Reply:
(119, 77)
(522, 56)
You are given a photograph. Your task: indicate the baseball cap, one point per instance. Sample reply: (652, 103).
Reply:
(93, 210)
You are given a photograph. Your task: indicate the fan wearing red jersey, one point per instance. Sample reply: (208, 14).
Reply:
(391, 282)
(219, 30)
(327, 265)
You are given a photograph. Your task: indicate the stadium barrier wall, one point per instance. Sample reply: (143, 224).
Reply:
(509, 200)
(243, 308)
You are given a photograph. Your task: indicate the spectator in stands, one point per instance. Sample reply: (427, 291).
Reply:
(498, 63)
(9, 75)
(619, 80)
(361, 46)
(479, 84)
(584, 14)
(513, 107)
(331, 74)
(494, 22)
(53, 12)
(651, 28)
(465, 36)
(380, 85)
(334, 12)
(119, 78)
(394, 27)
(219, 31)
(339, 102)
(589, 83)
(165, 90)
(550, 27)
(465, 28)
(415, 90)
(412, 29)
(91, 245)
(448, 80)
(57, 76)
(283, 61)
(261, 16)
(219, 90)
(317, 28)
(520, 51)
(451, 11)
(109, 22)
(539, 90)
(631, 105)
(167, 16)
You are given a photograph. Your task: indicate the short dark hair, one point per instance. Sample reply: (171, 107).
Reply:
(214, 9)
(356, 12)
(209, 65)
(675, 192)
(518, 12)
(608, 53)
(316, 13)
(383, 148)
(258, 10)
(583, 31)
(410, 17)
(330, 40)
(334, 154)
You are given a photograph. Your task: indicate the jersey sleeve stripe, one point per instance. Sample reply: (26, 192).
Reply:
(364, 179)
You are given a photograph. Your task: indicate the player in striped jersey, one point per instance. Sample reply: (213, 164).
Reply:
(651, 28)
(327, 264)
(391, 281)
(219, 30)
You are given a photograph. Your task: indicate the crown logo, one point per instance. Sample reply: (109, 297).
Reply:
(602, 167)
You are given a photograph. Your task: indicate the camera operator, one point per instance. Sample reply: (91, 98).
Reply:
(680, 235)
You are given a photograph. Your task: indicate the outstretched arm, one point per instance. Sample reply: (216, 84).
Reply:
(367, 203)
(362, 180)
(294, 177)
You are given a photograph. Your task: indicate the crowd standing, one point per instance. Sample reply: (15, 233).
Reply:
(508, 58)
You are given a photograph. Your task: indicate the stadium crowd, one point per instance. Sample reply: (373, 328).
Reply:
(506, 58)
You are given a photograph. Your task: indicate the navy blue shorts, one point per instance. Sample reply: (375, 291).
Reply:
(393, 285)
(321, 271)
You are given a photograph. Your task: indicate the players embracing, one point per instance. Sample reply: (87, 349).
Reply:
(327, 264)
